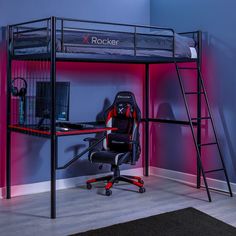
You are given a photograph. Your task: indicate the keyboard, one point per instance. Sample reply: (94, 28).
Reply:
(68, 126)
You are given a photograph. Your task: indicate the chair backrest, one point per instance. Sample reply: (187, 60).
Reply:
(125, 115)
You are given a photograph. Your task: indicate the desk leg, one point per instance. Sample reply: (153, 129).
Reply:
(146, 171)
(8, 117)
(54, 147)
(53, 117)
(8, 165)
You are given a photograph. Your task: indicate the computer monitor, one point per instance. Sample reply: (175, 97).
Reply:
(43, 100)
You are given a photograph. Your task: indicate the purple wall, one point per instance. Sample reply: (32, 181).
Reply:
(31, 154)
(217, 21)
(132, 11)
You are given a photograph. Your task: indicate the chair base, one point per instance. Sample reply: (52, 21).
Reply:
(112, 179)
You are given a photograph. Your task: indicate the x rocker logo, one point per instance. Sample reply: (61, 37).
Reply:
(86, 39)
(121, 110)
(99, 41)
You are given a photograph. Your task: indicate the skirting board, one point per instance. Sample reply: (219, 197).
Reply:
(26, 189)
(189, 178)
(19, 190)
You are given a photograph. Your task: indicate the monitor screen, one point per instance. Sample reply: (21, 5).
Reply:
(43, 100)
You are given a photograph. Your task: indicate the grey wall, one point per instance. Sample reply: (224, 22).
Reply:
(105, 10)
(216, 18)
(31, 155)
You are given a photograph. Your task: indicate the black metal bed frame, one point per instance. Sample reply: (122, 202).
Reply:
(53, 56)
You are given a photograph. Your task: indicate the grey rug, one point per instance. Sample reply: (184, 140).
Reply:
(185, 222)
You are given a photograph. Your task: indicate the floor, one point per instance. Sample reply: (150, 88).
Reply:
(80, 209)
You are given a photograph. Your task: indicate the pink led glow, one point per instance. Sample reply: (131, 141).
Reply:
(172, 145)
(132, 75)
(165, 102)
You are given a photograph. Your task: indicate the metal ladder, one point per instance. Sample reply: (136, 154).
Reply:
(198, 145)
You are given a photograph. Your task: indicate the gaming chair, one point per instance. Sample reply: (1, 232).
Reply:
(121, 146)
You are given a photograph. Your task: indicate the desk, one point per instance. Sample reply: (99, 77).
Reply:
(37, 132)
(91, 129)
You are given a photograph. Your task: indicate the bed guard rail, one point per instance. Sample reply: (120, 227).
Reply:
(37, 33)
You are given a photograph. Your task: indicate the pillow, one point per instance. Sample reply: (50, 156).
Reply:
(189, 41)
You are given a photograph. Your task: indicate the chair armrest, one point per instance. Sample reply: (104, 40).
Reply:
(133, 142)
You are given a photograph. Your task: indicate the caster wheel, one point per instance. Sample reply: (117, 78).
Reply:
(142, 190)
(89, 186)
(141, 181)
(108, 192)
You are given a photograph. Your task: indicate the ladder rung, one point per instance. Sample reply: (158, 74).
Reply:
(206, 144)
(210, 171)
(202, 118)
(216, 189)
(187, 68)
(189, 93)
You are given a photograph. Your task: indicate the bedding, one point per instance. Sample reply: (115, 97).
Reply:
(108, 43)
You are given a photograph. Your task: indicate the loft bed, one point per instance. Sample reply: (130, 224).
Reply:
(80, 40)
(46, 41)
(72, 43)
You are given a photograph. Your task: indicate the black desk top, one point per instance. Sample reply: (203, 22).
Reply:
(62, 129)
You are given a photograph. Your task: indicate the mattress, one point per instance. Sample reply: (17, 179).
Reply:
(154, 44)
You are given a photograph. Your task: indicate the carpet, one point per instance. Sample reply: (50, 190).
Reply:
(185, 222)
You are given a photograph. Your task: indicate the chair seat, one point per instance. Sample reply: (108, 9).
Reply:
(108, 157)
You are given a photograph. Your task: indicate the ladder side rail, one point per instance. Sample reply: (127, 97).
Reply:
(214, 131)
(192, 131)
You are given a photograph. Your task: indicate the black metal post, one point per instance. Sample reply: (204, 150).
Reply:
(199, 106)
(167, 121)
(62, 35)
(8, 112)
(146, 170)
(53, 117)
(135, 42)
